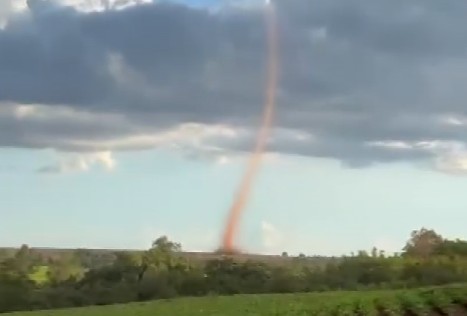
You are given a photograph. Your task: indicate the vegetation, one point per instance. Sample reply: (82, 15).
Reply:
(399, 302)
(30, 281)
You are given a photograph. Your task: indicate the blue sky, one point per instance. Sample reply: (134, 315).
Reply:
(119, 126)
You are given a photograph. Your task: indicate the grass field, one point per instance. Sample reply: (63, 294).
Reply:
(40, 275)
(432, 301)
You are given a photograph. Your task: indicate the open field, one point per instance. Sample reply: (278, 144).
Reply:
(429, 301)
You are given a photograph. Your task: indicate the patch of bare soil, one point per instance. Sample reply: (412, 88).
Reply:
(439, 311)
(381, 311)
(461, 306)
(408, 312)
(457, 310)
(436, 311)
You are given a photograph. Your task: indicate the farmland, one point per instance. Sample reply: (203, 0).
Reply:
(108, 255)
(137, 283)
(427, 301)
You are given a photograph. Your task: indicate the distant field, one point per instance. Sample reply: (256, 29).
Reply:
(433, 302)
(54, 253)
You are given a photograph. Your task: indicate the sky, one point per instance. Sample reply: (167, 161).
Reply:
(121, 121)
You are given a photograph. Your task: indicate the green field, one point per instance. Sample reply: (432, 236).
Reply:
(40, 275)
(430, 301)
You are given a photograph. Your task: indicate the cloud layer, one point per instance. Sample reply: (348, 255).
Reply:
(80, 163)
(361, 81)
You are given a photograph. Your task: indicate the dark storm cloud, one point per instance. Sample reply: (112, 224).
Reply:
(44, 58)
(352, 72)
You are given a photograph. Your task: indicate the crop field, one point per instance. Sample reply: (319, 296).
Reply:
(429, 301)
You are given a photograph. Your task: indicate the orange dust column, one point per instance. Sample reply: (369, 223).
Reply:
(254, 162)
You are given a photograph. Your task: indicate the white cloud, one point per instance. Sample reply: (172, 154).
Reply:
(223, 160)
(45, 113)
(184, 134)
(449, 156)
(454, 120)
(100, 5)
(81, 163)
(453, 164)
(179, 136)
(391, 144)
(271, 237)
(221, 144)
(9, 7)
(80, 5)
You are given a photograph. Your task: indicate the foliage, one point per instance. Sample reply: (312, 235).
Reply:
(40, 275)
(29, 281)
(322, 304)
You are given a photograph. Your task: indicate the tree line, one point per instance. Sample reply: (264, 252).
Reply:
(30, 281)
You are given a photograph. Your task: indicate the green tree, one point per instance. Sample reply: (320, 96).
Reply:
(422, 243)
(452, 248)
(162, 255)
(163, 264)
(25, 259)
(4, 254)
(374, 252)
(64, 268)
